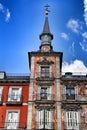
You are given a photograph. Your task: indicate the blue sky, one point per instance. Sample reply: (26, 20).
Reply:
(21, 22)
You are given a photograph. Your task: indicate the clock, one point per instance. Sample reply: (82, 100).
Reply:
(45, 48)
(46, 39)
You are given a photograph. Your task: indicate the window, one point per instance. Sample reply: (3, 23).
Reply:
(45, 93)
(12, 120)
(70, 93)
(72, 120)
(44, 119)
(1, 88)
(44, 71)
(14, 94)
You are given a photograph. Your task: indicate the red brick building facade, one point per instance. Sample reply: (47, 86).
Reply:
(13, 101)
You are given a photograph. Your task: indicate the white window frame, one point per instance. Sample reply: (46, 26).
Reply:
(13, 126)
(1, 90)
(72, 120)
(17, 96)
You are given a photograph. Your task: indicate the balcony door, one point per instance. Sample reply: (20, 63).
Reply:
(12, 120)
(72, 120)
(44, 119)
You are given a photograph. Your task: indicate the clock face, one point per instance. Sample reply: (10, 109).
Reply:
(46, 48)
(46, 37)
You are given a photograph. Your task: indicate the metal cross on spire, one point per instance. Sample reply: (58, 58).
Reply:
(46, 9)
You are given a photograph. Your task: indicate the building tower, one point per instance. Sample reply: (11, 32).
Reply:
(44, 112)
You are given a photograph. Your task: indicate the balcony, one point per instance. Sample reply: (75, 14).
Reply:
(45, 126)
(45, 98)
(14, 99)
(74, 98)
(75, 126)
(12, 125)
(44, 78)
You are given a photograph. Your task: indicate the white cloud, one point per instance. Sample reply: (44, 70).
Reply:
(85, 11)
(76, 67)
(64, 36)
(84, 35)
(6, 12)
(83, 45)
(7, 15)
(73, 25)
(1, 7)
(73, 49)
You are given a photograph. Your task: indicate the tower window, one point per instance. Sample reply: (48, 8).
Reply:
(45, 71)
(43, 93)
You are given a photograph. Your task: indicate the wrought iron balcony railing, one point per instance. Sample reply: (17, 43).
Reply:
(45, 126)
(44, 75)
(12, 125)
(14, 99)
(44, 98)
(74, 97)
(75, 126)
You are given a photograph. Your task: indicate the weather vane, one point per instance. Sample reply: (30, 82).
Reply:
(46, 9)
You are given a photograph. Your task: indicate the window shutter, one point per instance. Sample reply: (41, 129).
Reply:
(38, 94)
(72, 120)
(1, 88)
(76, 91)
(9, 95)
(19, 94)
(40, 119)
(64, 92)
(86, 117)
(48, 119)
(49, 93)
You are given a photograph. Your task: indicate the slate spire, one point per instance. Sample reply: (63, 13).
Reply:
(46, 28)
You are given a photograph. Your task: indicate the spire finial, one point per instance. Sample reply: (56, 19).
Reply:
(46, 9)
